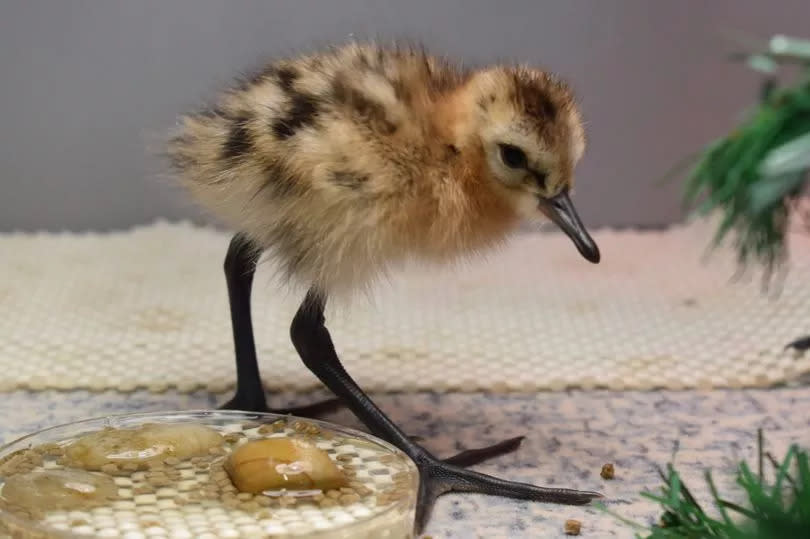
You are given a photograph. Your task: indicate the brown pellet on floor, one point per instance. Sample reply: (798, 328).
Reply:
(572, 527)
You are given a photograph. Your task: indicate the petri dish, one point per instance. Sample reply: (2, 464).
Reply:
(168, 491)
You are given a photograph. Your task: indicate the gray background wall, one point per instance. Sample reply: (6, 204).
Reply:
(88, 87)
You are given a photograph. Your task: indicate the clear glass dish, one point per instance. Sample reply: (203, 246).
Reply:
(179, 498)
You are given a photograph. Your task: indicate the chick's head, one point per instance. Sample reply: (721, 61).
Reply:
(531, 133)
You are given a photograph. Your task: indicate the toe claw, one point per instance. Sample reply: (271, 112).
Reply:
(801, 344)
(437, 477)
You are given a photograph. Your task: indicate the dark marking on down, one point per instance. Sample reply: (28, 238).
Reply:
(535, 99)
(367, 109)
(279, 181)
(239, 141)
(303, 112)
(286, 78)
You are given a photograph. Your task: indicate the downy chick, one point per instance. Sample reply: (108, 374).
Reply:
(344, 163)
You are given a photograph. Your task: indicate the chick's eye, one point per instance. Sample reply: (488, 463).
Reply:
(512, 156)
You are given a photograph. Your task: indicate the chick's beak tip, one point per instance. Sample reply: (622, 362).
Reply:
(562, 212)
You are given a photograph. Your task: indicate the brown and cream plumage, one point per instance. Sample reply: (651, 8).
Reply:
(345, 162)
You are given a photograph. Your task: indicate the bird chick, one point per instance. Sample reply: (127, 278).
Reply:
(344, 163)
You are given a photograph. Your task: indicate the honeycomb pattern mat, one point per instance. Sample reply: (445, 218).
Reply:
(147, 308)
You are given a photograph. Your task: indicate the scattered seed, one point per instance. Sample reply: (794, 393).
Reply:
(572, 527)
(10, 465)
(45, 448)
(171, 461)
(219, 474)
(130, 466)
(608, 471)
(334, 494)
(35, 459)
(109, 468)
(327, 502)
(233, 437)
(245, 496)
(348, 499)
(22, 513)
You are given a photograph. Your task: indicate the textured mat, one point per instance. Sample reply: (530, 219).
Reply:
(147, 308)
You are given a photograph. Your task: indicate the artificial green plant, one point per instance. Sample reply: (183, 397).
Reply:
(753, 175)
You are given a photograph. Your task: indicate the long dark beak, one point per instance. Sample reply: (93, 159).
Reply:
(562, 213)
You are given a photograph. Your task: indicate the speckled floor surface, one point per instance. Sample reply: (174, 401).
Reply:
(569, 436)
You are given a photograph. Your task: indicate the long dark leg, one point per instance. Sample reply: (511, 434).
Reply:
(314, 345)
(240, 266)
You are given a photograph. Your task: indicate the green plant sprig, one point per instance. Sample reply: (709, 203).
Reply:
(776, 510)
(753, 175)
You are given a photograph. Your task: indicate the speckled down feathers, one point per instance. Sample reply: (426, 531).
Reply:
(344, 162)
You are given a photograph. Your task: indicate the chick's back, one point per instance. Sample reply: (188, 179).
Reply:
(318, 157)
